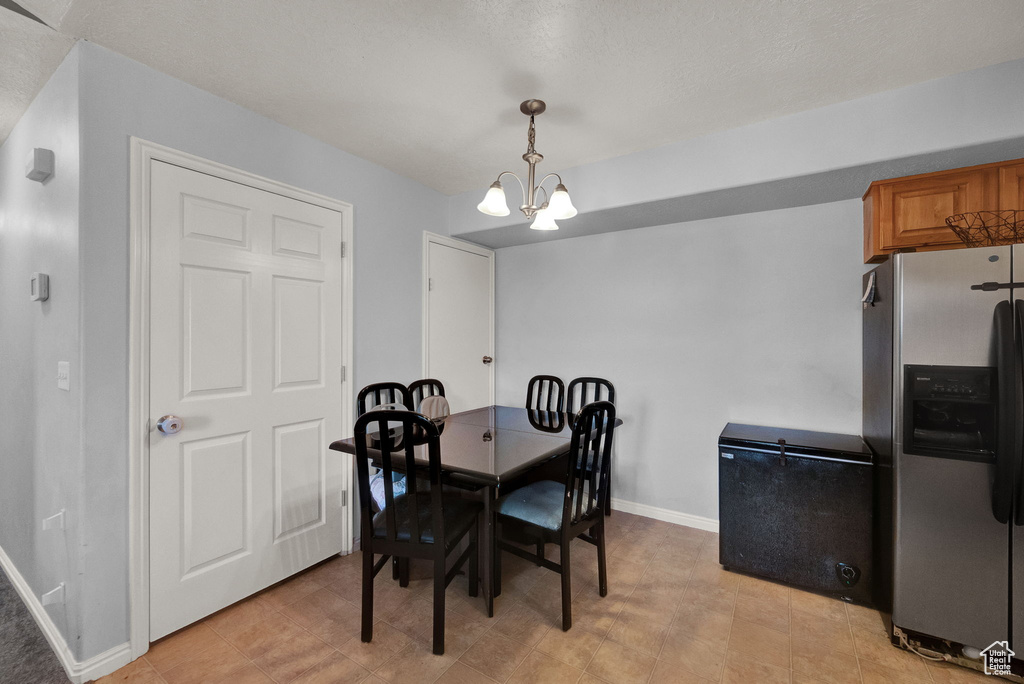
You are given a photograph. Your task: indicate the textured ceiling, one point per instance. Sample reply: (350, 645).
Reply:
(431, 89)
(29, 54)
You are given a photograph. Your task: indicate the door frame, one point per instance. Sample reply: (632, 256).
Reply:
(465, 246)
(143, 153)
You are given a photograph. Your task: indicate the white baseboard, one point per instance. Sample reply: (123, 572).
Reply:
(665, 514)
(77, 671)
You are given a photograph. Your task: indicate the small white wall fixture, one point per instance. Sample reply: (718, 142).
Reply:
(143, 153)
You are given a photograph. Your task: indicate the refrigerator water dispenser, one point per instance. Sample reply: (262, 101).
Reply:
(950, 412)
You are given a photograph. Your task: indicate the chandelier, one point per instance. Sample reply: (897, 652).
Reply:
(556, 206)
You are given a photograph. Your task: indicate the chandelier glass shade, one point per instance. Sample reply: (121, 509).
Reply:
(556, 205)
(494, 203)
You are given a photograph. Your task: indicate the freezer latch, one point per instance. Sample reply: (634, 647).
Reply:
(782, 452)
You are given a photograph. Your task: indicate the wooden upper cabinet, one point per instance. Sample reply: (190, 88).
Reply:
(913, 213)
(909, 214)
(1011, 186)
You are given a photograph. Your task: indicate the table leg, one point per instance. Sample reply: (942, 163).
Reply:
(488, 550)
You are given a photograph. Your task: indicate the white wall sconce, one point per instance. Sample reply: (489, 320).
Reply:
(40, 164)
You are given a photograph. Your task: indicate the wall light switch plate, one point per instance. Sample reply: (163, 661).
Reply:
(64, 375)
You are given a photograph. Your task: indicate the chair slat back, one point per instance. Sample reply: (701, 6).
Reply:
(589, 462)
(546, 421)
(545, 393)
(380, 393)
(585, 390)
(396, 434)
(421, 389)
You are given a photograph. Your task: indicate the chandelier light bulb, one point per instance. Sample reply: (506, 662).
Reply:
(494, 203)
(544, 220)
(560, 206)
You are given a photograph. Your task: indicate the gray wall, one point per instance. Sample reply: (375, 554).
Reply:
(752, 318)
(116, 98)
(39, 424)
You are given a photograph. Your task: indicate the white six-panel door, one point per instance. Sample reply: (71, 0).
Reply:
(246, 348)
(459, 320)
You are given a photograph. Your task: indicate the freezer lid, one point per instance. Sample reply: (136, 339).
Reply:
(798, 442)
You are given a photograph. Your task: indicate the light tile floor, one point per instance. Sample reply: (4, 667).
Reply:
(672, 615)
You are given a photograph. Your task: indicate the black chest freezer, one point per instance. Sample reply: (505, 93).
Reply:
(796, 506)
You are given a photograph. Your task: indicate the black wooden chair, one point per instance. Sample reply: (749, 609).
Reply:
(390, 394)
(421, 389)
(545, 393)
(583, 391)
(559, 512)
(416, 524)
(380, 393)
(546, 421)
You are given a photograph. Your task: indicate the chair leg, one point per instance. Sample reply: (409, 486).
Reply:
(439, 571)
(602, 563)
(403, 572)
(496, 565)
(395, 572)
(566, 584)
(367, 626)
(474, 560)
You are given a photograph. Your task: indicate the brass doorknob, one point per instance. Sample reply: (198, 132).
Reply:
(487, 359)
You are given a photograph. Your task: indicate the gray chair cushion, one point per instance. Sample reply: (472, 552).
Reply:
(459, 515)
(539, 504)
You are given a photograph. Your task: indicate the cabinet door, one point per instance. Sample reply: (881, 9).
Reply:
(1011, 187)
(913, 213)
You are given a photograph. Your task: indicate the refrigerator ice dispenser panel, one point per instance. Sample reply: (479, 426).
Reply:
(950, 412)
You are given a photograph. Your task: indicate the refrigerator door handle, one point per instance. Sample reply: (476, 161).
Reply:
(1008, 427)
(1018, 431)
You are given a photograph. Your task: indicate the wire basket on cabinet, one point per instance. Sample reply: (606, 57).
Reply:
(988, 228)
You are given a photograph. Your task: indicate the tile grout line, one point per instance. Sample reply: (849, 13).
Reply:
(604, 637)
(853, 637)
(732, 625)
(689, 580)
(675, 611)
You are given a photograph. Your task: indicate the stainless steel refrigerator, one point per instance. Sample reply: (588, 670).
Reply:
(943, 412)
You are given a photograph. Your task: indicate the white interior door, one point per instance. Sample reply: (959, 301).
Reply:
(246, 348)
(459, 320)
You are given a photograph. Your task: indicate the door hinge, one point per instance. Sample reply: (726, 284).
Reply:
(342, 249)
(344, 498)
(430, 284)
(344, 374)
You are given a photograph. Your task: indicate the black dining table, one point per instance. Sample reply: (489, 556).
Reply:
(486, 448)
